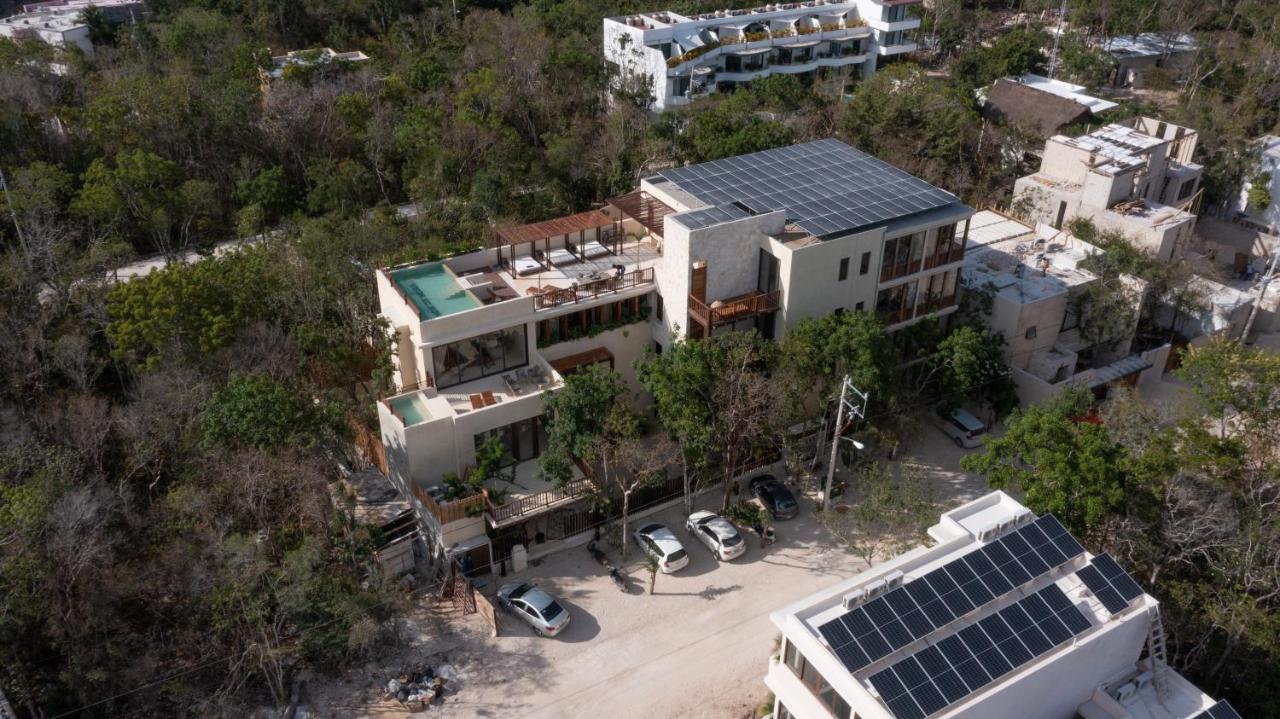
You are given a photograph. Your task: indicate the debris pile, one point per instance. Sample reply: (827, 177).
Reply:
(422, 685)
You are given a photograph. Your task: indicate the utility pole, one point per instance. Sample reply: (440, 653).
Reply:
(1262, 292)
(1053, 56)
(855, 411)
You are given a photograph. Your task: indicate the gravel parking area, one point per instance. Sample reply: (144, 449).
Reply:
(697, 647)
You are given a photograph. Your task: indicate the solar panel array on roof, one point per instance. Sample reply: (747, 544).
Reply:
(707, 216)
(888, 623)
(1109, 583)
(963, 663)
(826, 186)
(1221, 710)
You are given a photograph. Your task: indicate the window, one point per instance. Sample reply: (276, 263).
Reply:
(1071, 316)
(865, 265)
(477, 357)
(659, 308)
(767, 279)
(859, 307)
(521, 441)
(1187, 188)
(810, 677)
(844, 269)
(1031, 332)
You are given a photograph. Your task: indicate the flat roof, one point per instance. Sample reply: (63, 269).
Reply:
(1020, 263)
(1070, 91)
(1001, 594)
(826, 188)
(1125, 147)
(1148, 44)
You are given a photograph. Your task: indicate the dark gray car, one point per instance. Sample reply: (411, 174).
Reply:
(775, 497)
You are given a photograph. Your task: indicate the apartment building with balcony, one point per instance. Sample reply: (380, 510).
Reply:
(1137, 179)
(683, 57)
(1004, 616)
(1037, 285)
(756, 241)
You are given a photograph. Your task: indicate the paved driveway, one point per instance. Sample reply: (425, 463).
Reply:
(698, 647)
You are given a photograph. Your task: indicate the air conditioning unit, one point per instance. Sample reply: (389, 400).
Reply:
(892, 580)
(853, 599)
(989, 532)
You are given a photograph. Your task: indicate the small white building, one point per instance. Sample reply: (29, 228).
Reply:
(61, 22)
(682, 57)
(311, 58)
(1135, 179)
(1263, 219)
(1034, 281)
(1134, 54)
(1005, 616)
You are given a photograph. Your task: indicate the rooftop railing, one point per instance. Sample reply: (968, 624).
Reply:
(556, 297)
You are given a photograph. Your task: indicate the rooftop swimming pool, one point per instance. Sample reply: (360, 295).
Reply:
(412, 407)
(433, 290)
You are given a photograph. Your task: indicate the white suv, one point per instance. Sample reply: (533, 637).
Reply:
(962, 427)
(659, 543)
(720, 536)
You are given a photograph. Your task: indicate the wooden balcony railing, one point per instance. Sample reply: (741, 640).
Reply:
(556, 297)
(734, 308)
(893, 317)
(937, 304)
(901, 269)
(451, 511)
(955, 254)
(499, 513)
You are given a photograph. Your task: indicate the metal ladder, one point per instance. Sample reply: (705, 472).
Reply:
(1156, 652)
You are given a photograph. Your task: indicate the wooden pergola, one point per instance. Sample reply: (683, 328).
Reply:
(643, 208)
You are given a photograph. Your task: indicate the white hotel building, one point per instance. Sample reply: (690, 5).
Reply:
(684, 57)
(756, 241)
(1006, 616)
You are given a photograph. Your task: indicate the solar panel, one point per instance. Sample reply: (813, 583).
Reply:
(1109, 583)
(826, 186)
(924, 605)
(959, 665)
(1221, 710)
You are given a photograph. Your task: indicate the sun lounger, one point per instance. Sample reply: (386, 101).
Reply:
(561, 256)
(525, 265)
(592, 249)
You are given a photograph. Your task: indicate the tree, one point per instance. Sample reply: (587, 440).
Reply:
(1064, 466)
(186, 310)
(889, 514)
(819, 352)
(578, 416)
(970, 366)
(146, 197)
(632, 461)
(722, 405)
(1259, 196)
(256, 411)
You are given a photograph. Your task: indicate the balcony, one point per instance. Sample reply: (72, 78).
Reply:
(723, 312)
(955, 254)
(937, 304)
(529, 495)
(898, 49)
(900, 269)
(593, 289)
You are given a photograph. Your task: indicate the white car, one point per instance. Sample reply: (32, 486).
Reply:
(537, 608)
(718, 533)
(659, 543)
(962, 427)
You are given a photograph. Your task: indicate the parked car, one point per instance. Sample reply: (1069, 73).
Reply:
(659, 543)
(775, 496)
(718, 533)
(962, 427)
(537, 608)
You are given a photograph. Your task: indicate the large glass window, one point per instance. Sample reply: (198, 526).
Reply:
(469, 359)
(521, 441)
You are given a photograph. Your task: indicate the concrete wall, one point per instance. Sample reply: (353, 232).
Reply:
(1015, 318)
(628, 344)
(810, 277)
